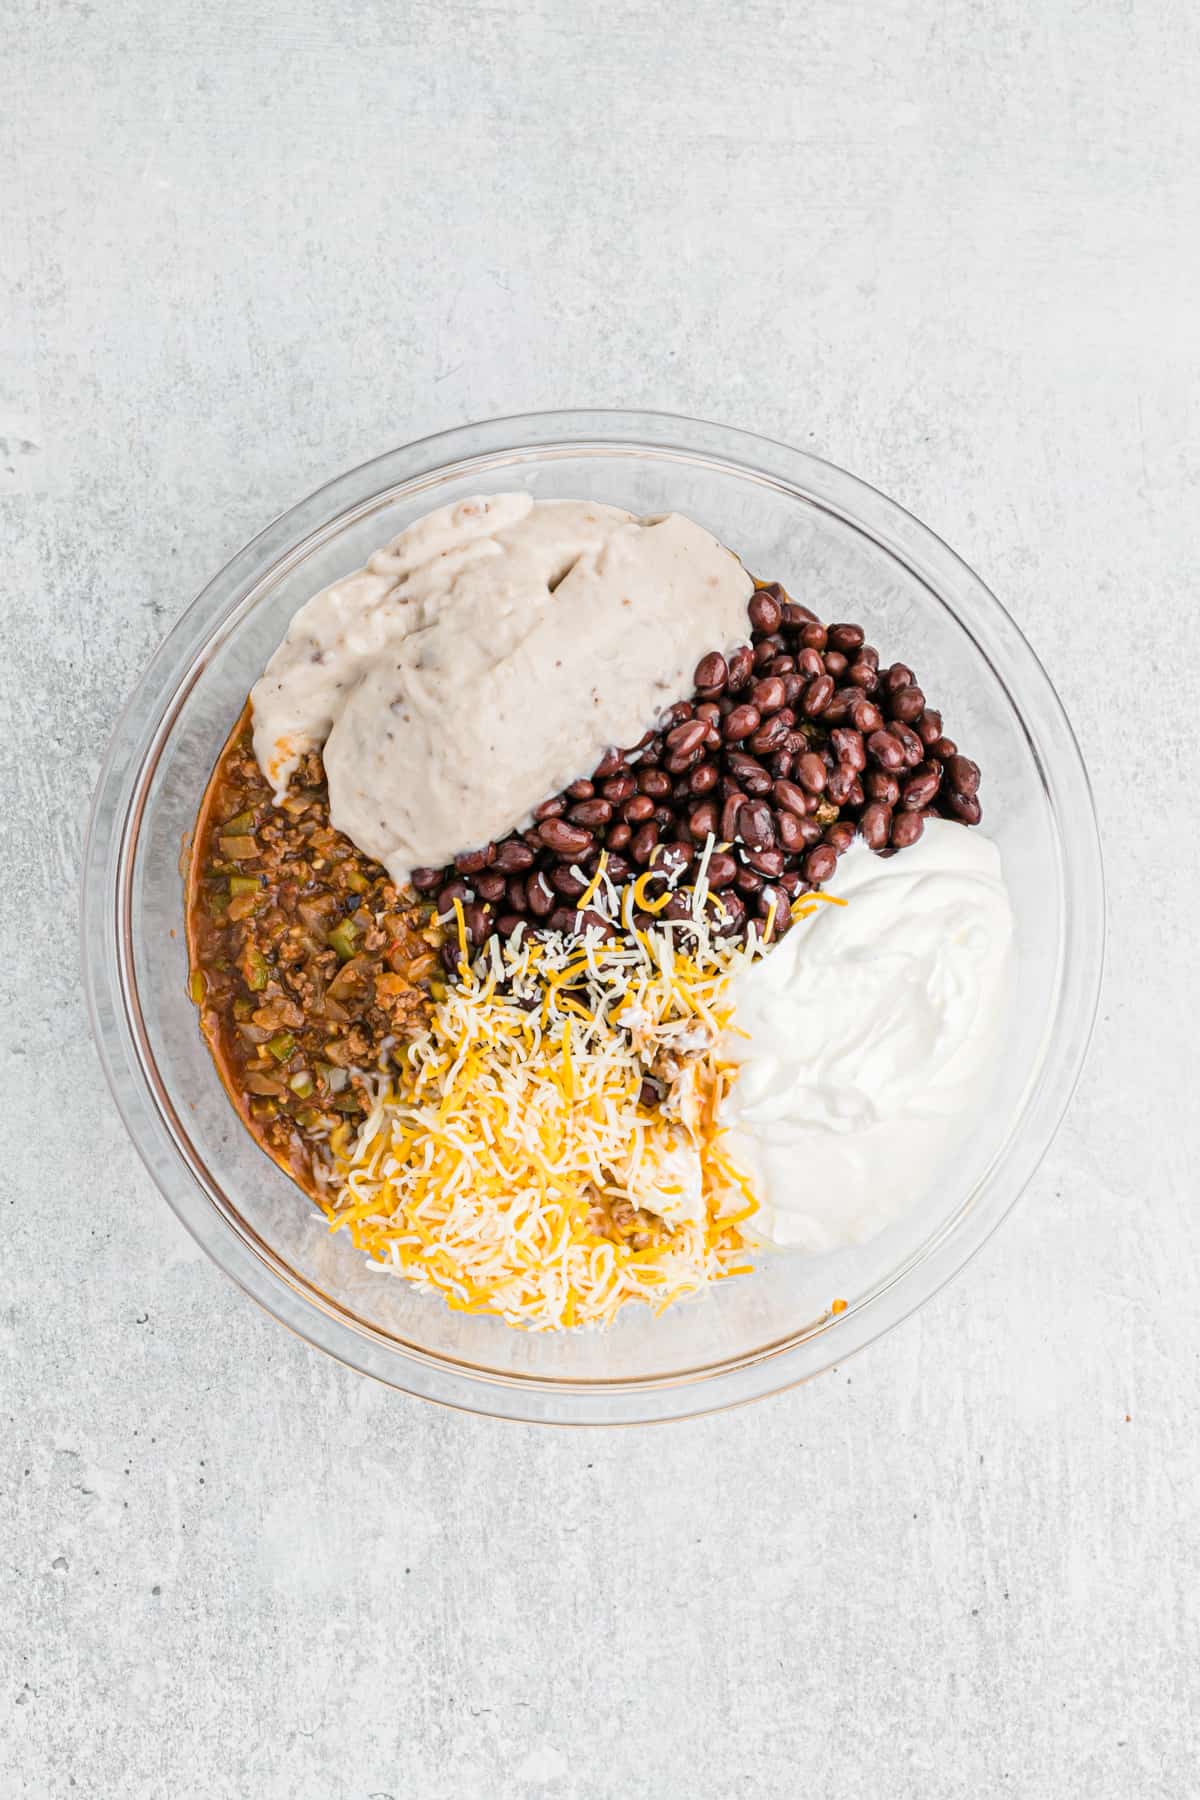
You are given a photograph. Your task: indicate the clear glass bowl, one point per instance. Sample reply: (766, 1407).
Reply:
(841, 548)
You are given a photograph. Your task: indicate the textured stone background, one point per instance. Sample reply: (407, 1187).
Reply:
(954, 248)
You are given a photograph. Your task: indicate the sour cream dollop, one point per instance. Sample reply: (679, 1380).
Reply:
(871, 1033)
(485, 659)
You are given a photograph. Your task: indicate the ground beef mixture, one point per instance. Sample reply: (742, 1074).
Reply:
(309, 967)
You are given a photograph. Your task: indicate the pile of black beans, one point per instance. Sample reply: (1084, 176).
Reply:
(786, 750)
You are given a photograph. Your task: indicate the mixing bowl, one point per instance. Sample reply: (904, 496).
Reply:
(841, 548)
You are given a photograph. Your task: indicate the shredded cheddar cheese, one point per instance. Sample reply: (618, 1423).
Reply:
(512, 1166)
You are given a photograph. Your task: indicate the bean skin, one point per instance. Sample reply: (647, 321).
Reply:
(846, 637)
(425, 880)
(550, 809)
(453, 890)
(771, 736)
(866, 717)
(836, 664)
(734, 916)
(748, 881)
(565, 883)
(810, 663)
(474, 860)
(490, 885)
(619, 788)
(796, 615)
(910, 743)
(789, 829)
(814, 636)
(864, 675)
(619, 836)
(929, 726)
(703, 779)
(511, 855)
(655, 782)
(769, 862)
(721, 869)
(840, 835)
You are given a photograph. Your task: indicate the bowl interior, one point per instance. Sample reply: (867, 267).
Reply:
(826, 557)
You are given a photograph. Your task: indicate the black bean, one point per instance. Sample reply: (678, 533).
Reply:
(943, 748)
(866, 717)
(839, 784)
(512, 854)
(644, 840)
(875, 823)
(703, 821)
(490, 885)
(721, 869)
(617, 868)
(840, 835)
(898, 676)
(453, 890)
(835, 664)
(472, 861)
(703, 778)
(729, 816)
(789, 829)
(771, 736)
(540, 895)
(608, 765)
(639, 807)
(564, 839)
(811, 773)
(848, 747)
(766, 613)
(756, 825)
(906, 704)
(768, 862)
(733, 916)
(846, 637)
(963, 775)
(550, 809)
(929, 726)
(507, 923)
(963, 807)
(819, 864)
(817, 696)
(741, 665)
(591, 813)
(565, 883)
(687, 737)
(810, 663)
(425, 880)
(712, 671)
(564, 919)
(881, 786)
(887, 750)
(618, 837)
(748, 881)
(864, 675)
(910, 743)
(769, 694)
(814, 636)
(918, 791)
(619, 788)
(655, 782)
(740, 723)
(906, 829)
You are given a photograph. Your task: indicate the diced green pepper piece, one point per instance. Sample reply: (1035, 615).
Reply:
(243, 821)
(281, 1045)
(256, 969)
(342, 939)
(242, 884)
(239, 848)
(302, 1083)
(357, 881)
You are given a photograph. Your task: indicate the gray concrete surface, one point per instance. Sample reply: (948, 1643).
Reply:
(953, 248)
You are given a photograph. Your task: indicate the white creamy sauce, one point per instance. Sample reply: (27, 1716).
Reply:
(486, 659)
(872, 1028)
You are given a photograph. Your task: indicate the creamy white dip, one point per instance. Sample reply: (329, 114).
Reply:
(872, 1030)
(486, 659)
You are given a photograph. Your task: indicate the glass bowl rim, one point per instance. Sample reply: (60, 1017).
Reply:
(109, 862)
